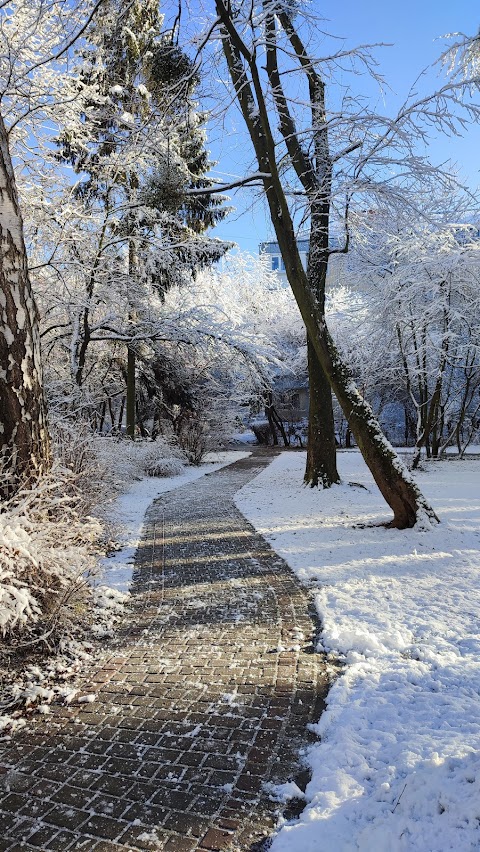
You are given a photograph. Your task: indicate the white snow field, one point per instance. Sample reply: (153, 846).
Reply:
(397, 764)
(128, 512)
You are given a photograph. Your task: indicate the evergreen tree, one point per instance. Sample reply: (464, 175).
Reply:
(139, 146)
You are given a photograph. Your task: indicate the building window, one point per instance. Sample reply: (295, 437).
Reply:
(275, 262)
(282, 265)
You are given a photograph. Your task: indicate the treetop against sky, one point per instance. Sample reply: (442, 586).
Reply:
(410, 38)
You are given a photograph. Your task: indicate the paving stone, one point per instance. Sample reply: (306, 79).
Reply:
(216, 839)
(147, 813)
(64, 816)
(186, 824)
(7, 821)
(195, 705)
(61, 841)
(86, 778)
(180, 844)
(104, 827)
(133, 834)
(108, 805)
(21, 847)
(43, 836)
(16, 782)
(75, 796)
(14, 802)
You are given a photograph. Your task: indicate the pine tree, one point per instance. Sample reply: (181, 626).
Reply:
(139, 147)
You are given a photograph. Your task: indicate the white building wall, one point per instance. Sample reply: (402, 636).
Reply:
(271, 251)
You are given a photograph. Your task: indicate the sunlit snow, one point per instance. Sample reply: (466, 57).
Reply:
(398, 764)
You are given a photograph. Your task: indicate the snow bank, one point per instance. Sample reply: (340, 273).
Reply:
(398, 764)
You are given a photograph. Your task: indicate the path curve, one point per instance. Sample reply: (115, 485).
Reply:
(204, 696)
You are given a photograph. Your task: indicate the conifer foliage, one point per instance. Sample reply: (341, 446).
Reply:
(137, 144)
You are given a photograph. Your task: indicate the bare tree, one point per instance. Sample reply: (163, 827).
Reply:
(254, 40)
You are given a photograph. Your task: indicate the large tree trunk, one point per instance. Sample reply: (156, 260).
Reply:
(25, 443)
(131, 355)
(321, 467)
(132, 274)
(131, 393)
(393, 480)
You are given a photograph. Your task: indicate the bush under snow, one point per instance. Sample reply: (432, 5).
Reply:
(46, 551)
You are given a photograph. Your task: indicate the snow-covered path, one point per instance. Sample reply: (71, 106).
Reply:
(205, 694)
(398, 766)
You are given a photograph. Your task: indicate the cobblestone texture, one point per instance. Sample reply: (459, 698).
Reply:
(203, 697)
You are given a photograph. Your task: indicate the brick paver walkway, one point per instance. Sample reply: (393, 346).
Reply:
(203, 696)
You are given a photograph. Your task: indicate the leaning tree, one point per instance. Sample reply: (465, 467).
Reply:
(346, 155)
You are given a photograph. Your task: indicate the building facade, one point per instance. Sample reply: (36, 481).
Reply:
(271, 251)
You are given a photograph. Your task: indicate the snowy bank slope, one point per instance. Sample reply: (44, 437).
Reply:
(398, 764)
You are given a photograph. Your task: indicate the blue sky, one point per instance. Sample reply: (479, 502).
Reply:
(414, 29)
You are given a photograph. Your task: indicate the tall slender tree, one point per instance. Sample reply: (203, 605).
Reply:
(248, 38)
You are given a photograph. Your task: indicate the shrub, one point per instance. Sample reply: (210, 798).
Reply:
(47, 549)
(155, 465)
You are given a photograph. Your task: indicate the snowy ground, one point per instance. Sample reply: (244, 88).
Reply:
(128, 512)
(398, 763)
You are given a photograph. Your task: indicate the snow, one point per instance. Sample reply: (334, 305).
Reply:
(397, 764)
(285, 792)
(129, 509)
(245, 437)
(87, 699)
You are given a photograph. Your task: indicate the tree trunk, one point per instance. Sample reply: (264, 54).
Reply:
(391, 476)
(131, 357)
(120, 414)
(103, 412)
(25, 443)
(321, 468)
(130, 430)
(393, 480)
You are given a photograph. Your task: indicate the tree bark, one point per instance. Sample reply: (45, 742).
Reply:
(25, 442)
(130, 430)
(321, 467)
(392, 478)
(314, 171)
(131, 355)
